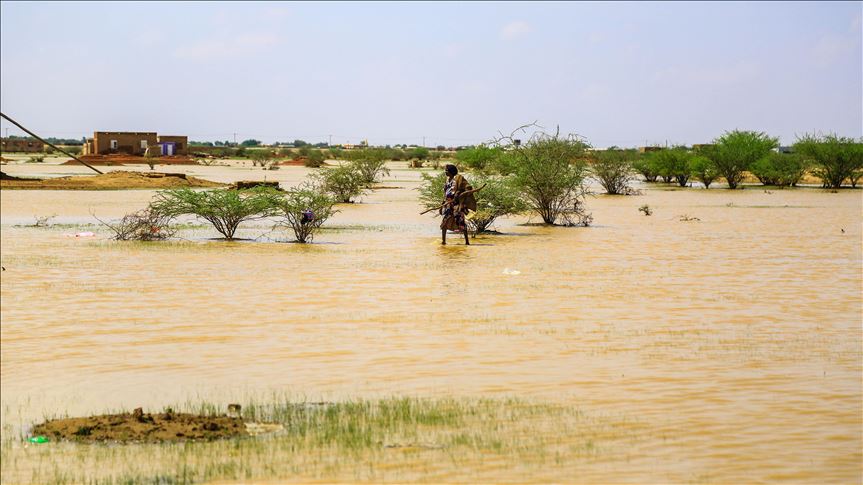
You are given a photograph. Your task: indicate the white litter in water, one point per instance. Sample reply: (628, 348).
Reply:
(511, 271)
(81, 234)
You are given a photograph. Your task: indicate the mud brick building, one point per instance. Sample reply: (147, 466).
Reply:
(27, 145)
(135, 143)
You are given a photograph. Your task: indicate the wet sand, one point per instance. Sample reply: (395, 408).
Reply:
(732, 343)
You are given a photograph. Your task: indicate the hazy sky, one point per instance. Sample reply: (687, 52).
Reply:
(457, 73)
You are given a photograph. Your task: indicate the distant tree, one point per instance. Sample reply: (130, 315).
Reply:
(781, 169)
(250, 143)
(672, 163)
(420, 153)
(835, 158)
(300, 143)
(344, 182)
(314, 159)
(480, 157)
(735, 151)
(703, 169)
(613, 170)
(262, 157)
(645, 167)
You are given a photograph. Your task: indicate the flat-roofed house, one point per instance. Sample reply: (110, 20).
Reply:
(135, 143)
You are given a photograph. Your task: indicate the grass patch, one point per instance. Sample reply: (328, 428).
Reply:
(399, 438)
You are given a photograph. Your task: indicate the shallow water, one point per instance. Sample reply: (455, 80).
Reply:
(733, 340)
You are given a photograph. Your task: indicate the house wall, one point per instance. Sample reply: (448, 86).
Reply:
(29, 145)
(181, 143)
(127, 142)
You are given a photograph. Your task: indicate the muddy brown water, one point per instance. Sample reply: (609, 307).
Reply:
(735, 339)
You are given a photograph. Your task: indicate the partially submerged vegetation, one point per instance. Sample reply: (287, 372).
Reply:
(339, 441)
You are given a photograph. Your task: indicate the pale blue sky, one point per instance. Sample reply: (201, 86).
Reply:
(618, 73)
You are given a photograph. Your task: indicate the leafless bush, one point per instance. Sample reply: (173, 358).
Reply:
(144, 225)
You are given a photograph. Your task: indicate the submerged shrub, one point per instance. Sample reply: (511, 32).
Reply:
(304, 208)
(345, 182)
(262, 158)
(613, 170)
(836, 158)
(549, 171)
(645, 167)
(780, 169)
(672, 164)
(144, 225)
(735, 151)
(703, 170)
(225, 209)
(370, 169)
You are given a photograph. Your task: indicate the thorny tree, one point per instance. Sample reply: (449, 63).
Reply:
(225, 209)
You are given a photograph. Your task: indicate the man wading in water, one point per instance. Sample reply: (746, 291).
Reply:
(458, 199)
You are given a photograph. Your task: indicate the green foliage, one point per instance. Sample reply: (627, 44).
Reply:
(672, 163)
(613, 169)
(287, 153)
(370, 169)
(549, 172)
(36, 159)
(735, 151)
(262, 157)
(835, 158)
(499, 198)
(225, 209)
(703, 170)
(345, 182)
(306, 197)
(250, 143)
(315, 159)
(645, 167)
(780, 169)
(479, 157)
(420, 153)
(73, 150)
(239, 152)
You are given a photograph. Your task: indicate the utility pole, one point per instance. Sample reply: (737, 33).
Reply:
(330, 143)
(235, 138)
(424, 140)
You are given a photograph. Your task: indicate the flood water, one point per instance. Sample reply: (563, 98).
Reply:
(734, 339)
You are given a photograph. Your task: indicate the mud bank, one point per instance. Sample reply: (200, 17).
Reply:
(107, 181)
(140, 427)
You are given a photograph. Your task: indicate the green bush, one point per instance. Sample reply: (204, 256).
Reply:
(835, 158)
(315, 159)
(370, 170)
(549, 171)
(262, 157)
(613, 170)
(345, 182)
(295, 205)
(479, 157)
(225, 209)
(419, 153)
(645, 167)
(73, 150)
(36, 159)
(781, 169)
(672, 164)
(703, 170)
(734, 152)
